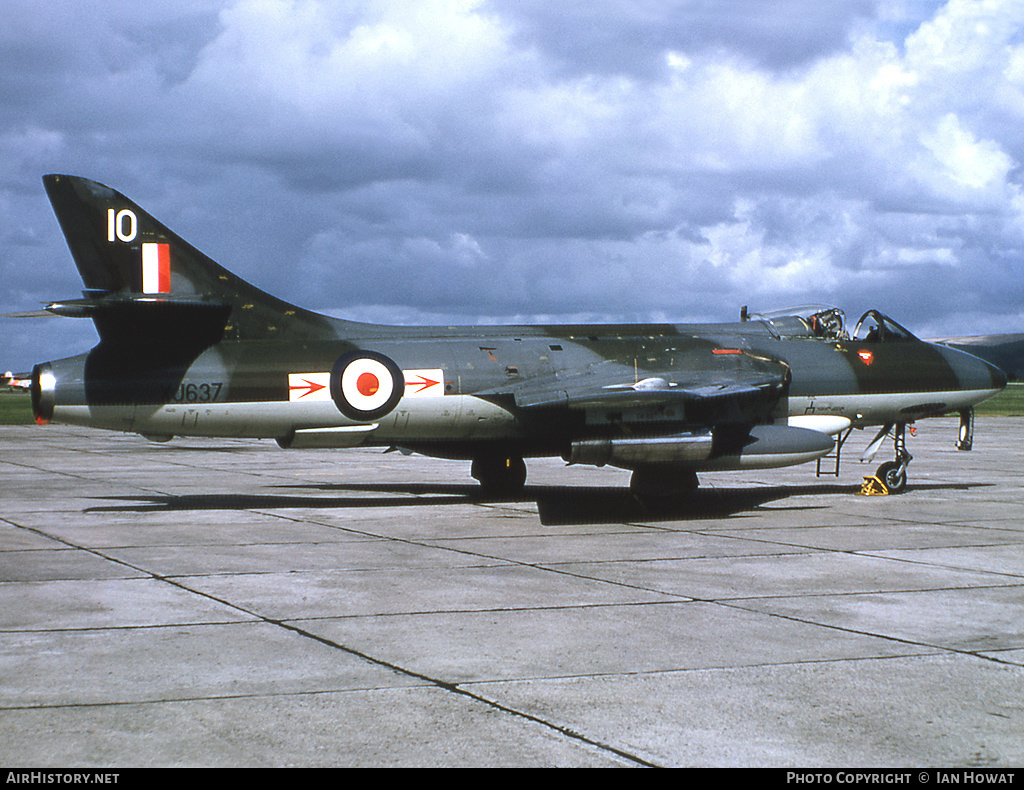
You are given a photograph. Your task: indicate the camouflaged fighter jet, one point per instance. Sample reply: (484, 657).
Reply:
(189, 349)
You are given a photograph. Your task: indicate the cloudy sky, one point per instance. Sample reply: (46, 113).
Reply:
(427, 161)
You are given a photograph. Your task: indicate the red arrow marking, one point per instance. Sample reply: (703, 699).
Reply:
(423, 383)
(309, 386)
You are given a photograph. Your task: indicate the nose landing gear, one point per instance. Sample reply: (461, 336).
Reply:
(893, 474)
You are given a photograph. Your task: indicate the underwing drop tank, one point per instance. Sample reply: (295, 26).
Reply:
(763, 447)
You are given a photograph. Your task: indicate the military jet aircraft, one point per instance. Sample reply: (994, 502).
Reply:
(8, 379)
(187, 348)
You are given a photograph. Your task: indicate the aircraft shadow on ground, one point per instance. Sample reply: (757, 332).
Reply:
(556, 505)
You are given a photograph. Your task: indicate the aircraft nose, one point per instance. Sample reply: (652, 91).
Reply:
(999, 377)
(974, 373)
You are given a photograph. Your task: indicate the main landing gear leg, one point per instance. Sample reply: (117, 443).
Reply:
(894, 473)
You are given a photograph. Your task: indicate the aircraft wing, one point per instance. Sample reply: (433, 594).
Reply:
(28, 314)
(614, 384)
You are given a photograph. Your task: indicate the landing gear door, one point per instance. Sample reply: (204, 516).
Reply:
(965, 438)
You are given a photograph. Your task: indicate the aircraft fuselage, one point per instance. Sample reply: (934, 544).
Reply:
(274, 390)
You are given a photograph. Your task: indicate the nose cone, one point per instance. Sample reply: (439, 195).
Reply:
(974, 373)
(998, 376)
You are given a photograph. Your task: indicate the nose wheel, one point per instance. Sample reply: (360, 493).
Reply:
(893, 474)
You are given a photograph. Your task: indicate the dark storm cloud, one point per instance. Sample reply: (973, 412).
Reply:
(447, 160)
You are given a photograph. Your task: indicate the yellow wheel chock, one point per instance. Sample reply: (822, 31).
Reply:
(873, 486)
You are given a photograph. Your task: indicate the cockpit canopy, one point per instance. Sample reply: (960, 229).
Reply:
(874, 327)
(808, 321)
(829, 323)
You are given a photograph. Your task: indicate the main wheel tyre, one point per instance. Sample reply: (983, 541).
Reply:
(894, 475)
(663, 481)
(503, 475)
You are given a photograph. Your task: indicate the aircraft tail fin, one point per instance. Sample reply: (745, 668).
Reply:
(142, 278)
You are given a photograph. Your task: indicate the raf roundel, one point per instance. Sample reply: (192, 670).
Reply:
(366, 385)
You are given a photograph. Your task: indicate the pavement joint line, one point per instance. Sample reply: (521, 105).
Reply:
(810, 550)
(683, 598)
(534, 565)
(729, 603)
(911, 561)
(844, 593)
(697, 670)
(422, 544)
(129, 627)
(45, 470)
(845, 510)
(197, 698)
(453, 688)
(457, 688)
(888, 637)
(492, 610)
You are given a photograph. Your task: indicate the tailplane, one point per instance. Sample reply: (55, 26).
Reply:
(143, 282)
